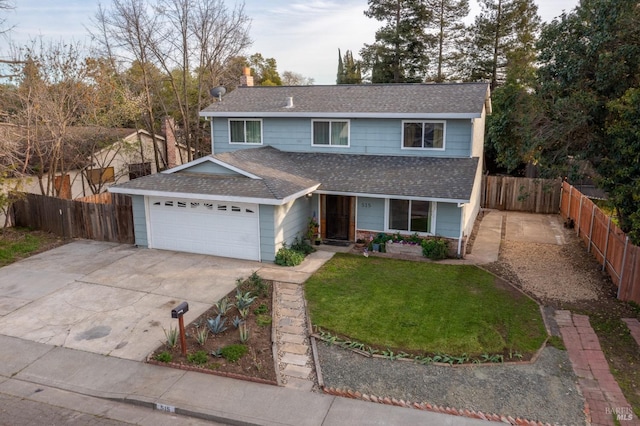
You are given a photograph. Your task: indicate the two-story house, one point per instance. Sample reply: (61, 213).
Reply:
(360, 159)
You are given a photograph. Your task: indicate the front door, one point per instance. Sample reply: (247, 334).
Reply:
(338, 215)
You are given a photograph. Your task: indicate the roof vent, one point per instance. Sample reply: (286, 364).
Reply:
(218, 92)
(289, 102)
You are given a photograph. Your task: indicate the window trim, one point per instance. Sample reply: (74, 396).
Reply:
(433, 210)
(444, 135)
(330, 121)
(244, 121)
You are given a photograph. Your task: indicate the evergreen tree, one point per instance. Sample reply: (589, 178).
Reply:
(400, 52)
(340, 76)
(264, 71)
(348, 69)
(449, 31)
(588, 83)
(501, 27)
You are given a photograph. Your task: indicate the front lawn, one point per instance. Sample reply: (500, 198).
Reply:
(423, 307)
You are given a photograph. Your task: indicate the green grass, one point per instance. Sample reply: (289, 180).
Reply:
(12, 249)
(422, 307)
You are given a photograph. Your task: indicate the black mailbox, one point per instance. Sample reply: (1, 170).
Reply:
(179, 310)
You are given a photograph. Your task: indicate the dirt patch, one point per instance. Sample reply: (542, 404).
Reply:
(256, 364)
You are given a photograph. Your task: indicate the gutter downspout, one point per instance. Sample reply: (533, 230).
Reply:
(461, 230)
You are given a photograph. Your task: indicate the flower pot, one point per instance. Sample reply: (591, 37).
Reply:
(376, 247)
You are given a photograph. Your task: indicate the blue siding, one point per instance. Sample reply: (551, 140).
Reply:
(292, 220)
(370, 214)
(267, 234)
(209, 168)
(448, 220)
(139, 221)
(367, 136)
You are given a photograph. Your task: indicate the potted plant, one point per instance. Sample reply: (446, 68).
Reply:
(318, 239)
(312, 229)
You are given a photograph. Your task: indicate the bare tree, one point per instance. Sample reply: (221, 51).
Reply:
(190, 41)
(125, 32)
(52, 96)
(290, 78)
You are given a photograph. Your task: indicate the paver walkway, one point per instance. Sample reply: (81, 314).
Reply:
(604, 397)
(294, 351)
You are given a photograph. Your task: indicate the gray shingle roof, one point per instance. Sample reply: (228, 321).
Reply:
(453, 99)
(284, 174)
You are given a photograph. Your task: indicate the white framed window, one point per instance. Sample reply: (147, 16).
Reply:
(423, 135)
(245, 131)
(411, 216)
(330, 133)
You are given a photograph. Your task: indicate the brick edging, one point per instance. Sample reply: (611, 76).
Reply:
(345, 393)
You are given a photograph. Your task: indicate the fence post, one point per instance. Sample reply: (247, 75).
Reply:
(606, 246)
(624, 260)
(579, 216)
(570, 197)
(593, 214)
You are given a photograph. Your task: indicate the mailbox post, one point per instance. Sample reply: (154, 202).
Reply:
(178, 312)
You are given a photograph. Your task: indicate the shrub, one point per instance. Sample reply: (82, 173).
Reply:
(164, 357)
(288, 257)
(233, 353)
(262, 309)
(302, 246)
(198, 358)
(257, 284)
(264, 320)
(435, 248)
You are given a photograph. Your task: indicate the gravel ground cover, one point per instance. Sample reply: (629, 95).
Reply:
(543, 391)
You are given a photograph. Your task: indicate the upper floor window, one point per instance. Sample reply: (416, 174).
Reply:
(330, 132)
(423, 134)
(245, 131)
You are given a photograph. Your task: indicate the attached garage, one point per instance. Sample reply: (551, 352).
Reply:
(219, 228)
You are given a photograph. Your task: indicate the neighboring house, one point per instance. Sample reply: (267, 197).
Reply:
(361, 159)
(116, 155)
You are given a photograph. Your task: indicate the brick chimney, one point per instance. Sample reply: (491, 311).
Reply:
(169, 130)
(246, 79)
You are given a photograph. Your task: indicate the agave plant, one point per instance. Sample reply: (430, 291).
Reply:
(222, 305)
(244, 300)
(217, 325)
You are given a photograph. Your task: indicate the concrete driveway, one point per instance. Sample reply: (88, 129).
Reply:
(107, 298)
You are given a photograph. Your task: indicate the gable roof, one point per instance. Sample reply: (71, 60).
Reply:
(450, 100)
(283, 176)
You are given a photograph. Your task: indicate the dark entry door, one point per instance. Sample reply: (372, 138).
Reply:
(338, 214)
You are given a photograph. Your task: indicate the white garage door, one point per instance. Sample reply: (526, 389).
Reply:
(218, 228)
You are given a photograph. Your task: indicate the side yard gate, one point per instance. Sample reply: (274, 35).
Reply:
(103, 217)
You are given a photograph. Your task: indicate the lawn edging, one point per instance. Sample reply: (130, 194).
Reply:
(424, 406)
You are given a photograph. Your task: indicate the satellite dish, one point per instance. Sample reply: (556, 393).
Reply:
(218, 92)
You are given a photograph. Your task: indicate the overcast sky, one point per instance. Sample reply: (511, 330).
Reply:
(303, 36)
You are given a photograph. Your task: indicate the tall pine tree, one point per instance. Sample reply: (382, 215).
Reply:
(448, 30)
(502, 27)
(400, 52)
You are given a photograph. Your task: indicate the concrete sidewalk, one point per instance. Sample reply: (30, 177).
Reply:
(29, 366)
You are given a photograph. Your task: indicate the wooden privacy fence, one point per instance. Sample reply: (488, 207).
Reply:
(521, 194)
(608, 244)
(111, 219)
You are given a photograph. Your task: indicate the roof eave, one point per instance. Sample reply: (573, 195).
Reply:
(394, 115)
